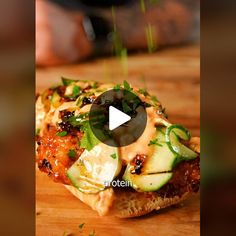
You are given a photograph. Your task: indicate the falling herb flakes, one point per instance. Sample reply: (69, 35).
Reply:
(151, 41)
(117, 87)
(142, 6)
(81, 225)
(127, 86)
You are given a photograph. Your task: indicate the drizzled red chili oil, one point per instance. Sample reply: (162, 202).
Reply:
(65, 125)
(137, 163)
(61, 92)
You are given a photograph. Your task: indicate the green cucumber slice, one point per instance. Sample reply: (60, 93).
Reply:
(84, 186)
(173, 134)
(95, 168)
(162, 159)
(146, 183)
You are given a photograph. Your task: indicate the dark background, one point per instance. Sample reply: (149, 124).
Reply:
(218, 115)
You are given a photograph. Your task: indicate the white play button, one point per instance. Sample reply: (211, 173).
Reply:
(117, 118)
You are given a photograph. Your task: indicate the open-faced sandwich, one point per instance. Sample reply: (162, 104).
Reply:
(159, 169)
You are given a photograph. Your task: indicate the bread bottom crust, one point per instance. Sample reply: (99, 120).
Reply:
(126, 204)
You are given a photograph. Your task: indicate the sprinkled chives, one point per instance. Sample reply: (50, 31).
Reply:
(142, 5)
(150, 30)
(120, 51)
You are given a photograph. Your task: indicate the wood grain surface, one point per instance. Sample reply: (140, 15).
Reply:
(173, 75)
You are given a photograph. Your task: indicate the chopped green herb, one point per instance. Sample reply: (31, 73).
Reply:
(154, 99)
(81, 225)
(37, 131)
(67, 81)
(154, 142)
(113, 155)
(125, 107)
(143, 91)
(89, 141)
(117, 87)
(61, 134)
(127, 86)
(92, 233)
(76, 91)
(94, 85)
(77, 121)
(72, 153)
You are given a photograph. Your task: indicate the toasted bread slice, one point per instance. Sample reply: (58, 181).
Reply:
(125, 204)
(128, 203)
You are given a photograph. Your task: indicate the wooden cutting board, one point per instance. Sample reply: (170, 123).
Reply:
(173, 75)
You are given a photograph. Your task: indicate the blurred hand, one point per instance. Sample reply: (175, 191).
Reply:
(60, 37)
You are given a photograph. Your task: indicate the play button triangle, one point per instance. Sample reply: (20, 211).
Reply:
(117, 118)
